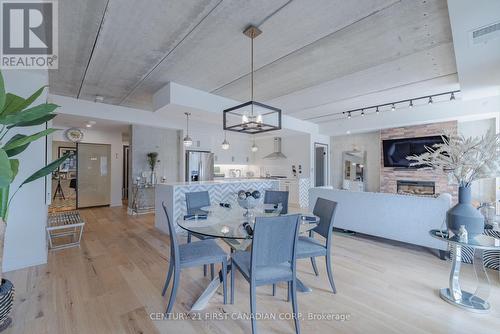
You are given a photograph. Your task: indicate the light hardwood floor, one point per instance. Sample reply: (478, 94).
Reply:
(113, 282)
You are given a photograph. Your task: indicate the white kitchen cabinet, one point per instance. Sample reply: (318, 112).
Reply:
(292, 186)
(298, 191)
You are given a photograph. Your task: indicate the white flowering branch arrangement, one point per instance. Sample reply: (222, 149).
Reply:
(465, 159)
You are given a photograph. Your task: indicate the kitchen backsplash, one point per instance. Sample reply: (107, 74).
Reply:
(254, 171)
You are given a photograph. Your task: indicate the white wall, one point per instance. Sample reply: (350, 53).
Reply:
(114, 138)
(165, 142)
(369, 142)
(297, 149)
(482, 190)
(25, 243)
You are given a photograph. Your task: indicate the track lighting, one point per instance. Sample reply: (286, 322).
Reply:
(401, 103)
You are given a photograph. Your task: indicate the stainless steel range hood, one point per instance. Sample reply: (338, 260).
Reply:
(277, 150)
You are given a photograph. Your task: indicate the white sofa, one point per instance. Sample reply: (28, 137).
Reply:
(397, 217)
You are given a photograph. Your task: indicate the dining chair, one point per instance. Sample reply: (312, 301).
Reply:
(194, 202)
(191, 255)
(271, 259)
(276, 197)
(310, 247)
(197, 200)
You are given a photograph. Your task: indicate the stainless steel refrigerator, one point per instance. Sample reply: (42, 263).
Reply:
(199, 166)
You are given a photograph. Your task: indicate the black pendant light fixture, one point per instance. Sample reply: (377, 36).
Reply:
(252, 117)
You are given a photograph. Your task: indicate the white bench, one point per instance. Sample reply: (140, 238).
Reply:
(63, 225)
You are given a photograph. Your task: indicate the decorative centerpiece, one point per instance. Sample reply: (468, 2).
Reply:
(465, 160)
(152, 160)
(248, 199)
(15, 112)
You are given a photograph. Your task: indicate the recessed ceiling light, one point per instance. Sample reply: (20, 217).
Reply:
(88, 125)
(348, 132)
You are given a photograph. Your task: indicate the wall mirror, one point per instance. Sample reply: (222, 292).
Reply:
(354, 170)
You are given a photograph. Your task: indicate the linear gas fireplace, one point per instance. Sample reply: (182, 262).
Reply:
(426, 188)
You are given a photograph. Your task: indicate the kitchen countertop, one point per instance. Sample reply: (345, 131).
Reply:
(221, 181)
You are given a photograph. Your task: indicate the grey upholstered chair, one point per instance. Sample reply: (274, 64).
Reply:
(309, 247)
(276, 197)
(191, 255)
(197, 200)
(271, 260)
(194, 202)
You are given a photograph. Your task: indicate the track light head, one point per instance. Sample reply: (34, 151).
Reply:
(349, 115)
(430, 100)
(452, 96)
(411, 104)
(362, 112)
(377, 110)
(393, 107)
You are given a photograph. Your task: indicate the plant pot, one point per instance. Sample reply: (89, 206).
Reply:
(6, 303)
(153, 178)
(465, 214)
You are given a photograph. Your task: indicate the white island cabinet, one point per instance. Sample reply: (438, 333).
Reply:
(174, 195)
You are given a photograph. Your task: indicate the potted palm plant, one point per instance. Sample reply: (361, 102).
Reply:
(16, 112)
(465, 160)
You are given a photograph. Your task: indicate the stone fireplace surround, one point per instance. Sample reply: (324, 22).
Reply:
(389, 176)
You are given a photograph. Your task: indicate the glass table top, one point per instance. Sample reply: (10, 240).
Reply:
(479, 241)
(228, 223)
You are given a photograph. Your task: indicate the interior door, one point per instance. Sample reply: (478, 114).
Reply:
(94, 175)
(319, 163)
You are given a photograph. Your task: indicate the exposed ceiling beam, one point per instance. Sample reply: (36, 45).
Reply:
(215, 91)
(93, 49)
(146, 76)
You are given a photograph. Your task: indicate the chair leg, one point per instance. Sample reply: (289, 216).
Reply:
(169, 275)
(189, 238)
(212, 271)
(232, 283)
(294, 306)
(204, 270)
(224, 281)
(253, 308)
(174, 290)
(315, 268)
(274, 289)
(329, 272)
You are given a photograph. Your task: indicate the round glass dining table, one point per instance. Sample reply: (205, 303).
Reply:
(230, 225)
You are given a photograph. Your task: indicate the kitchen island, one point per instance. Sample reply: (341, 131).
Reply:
(173, 194)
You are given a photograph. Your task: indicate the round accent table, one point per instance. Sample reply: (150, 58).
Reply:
(477, 301)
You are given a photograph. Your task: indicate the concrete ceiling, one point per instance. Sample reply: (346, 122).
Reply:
(313, 58)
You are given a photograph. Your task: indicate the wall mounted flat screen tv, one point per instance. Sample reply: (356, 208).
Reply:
(396, 150)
